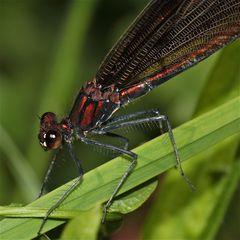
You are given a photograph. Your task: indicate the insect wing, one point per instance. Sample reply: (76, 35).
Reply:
(168, 37)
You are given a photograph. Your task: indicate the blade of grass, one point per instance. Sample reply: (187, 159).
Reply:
(191, 216)
(215, 220)
(226, 71)
(12, 211)
(85, 226)
(133, 199)
(155, 157)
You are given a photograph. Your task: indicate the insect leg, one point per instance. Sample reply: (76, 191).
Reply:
(150, 116)
(124, 118)
(49, 170)
(130, 117)
(124, 176)
(124, 140)
(69, 190)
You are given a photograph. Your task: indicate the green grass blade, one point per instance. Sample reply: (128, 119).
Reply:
(216, 219)
(199, 215)
(12, 211)
(85, 226)
(155, 157)
(133, 200)
(227, 72)
(190, 214)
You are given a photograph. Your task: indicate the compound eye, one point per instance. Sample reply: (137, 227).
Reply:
(53, 139)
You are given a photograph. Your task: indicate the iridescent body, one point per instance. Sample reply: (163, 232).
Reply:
(168, 37)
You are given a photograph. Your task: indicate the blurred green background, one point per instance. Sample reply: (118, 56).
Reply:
(48, 49)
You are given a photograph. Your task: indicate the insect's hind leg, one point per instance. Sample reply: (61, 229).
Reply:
(153, 115)
(115, 122)
(164, 119)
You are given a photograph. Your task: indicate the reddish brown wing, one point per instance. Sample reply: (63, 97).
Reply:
(168, 37)
(131, 43)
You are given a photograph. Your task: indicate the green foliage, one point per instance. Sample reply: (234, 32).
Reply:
(192, 138)
(215, 172)
(134, 198)
(47, 52)
(84, 226)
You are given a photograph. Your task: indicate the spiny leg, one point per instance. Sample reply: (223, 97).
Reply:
(124, 140)
(122, 180)
(161, 119)
(69, 190)
(125, 175)
(126, 117)
(164, 118)
(134, 116)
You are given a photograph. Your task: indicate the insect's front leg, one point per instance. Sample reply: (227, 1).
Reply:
(133, 157)
(49, 170)
(70, 188)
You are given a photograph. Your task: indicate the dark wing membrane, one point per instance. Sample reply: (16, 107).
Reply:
(168, 37)
(193, 37)
(129, 46)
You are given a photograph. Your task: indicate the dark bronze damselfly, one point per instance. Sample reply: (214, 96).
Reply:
(168, 37)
